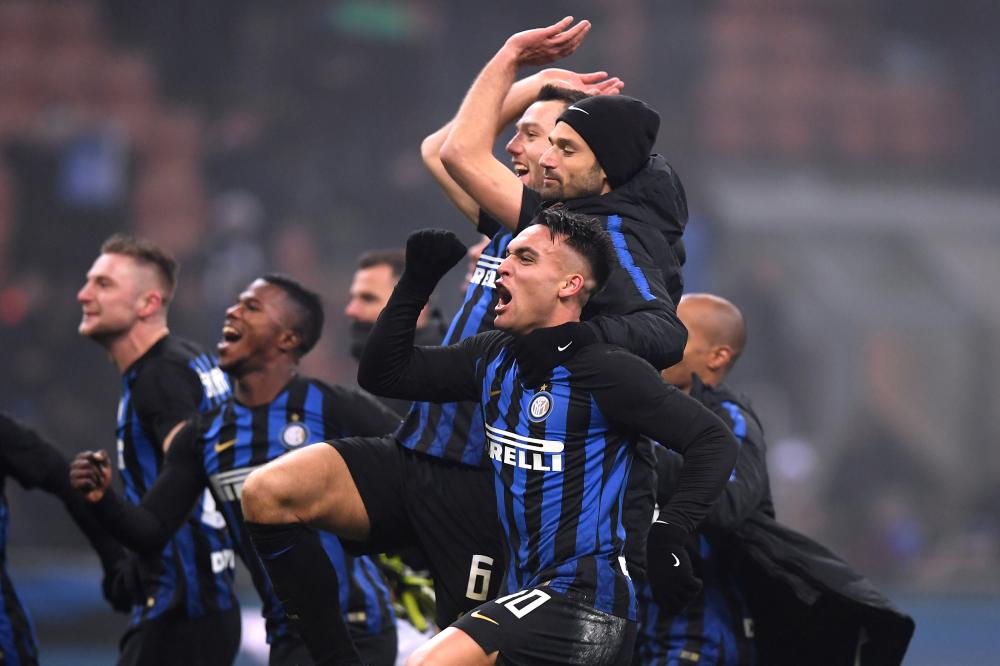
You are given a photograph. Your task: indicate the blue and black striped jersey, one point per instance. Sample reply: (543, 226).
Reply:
(17, 635)
(562, 454)
(239, 439)
(173, 381)
(716, 628)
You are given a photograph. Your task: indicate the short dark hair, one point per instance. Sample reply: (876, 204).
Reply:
(394, 258)
(309, 326)
(146, 253)
(584, 234)
(554, 93)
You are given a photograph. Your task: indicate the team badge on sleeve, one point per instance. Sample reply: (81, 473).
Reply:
(294, 434)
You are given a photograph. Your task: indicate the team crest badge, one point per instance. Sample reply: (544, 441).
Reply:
(540, 406)
(294, 434)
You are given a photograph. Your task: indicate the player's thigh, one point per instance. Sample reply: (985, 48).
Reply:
(310, 485)
(453, 510)
(451, 647)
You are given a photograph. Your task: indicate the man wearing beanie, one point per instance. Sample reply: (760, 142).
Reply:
(598, 164)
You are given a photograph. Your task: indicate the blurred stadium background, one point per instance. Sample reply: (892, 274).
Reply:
(840, 161)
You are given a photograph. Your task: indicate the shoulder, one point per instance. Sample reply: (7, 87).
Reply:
(614, 363)
(734, 408)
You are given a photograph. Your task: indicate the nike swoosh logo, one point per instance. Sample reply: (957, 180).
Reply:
(494, 394)
(576, 108)
(222, 446)
(677, 562)
(480, 616)
(565, 346)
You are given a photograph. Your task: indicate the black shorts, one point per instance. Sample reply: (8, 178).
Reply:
(447, 509)
(541, 626)
(209, 640)
(374, 649)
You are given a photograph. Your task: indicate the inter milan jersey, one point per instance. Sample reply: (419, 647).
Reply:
(716, 628)
(562, 454)
(17, 635)
(240, 439)
(171, 382)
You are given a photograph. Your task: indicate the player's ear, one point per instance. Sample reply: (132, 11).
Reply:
(572, 285)
(720, 357)
(289, 340)
(150, 302)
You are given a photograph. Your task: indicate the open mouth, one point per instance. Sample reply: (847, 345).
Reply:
(230, 334)
(503, 297)
(520, 170)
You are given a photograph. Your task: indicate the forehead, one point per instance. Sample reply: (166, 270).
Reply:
(118, 266)
(374, 278)
(563, 132)
(536, 237)
(543, 114)
(693, 313)
(265, 292)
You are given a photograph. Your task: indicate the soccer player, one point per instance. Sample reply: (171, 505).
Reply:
(561, 453)
(598, 162)
(741, 552)
(34, 463)
(374, 278)
(425, 484)
(275, 322)
(716, 627)
(189, 612)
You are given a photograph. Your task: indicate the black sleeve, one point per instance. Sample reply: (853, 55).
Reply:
(636, 399)
(35, 463)
(164, 394)
(355, 413)
(146, 528)
(668, 471)
(748, 483)
(392, 367)
(634, 310)
(487, 225)
(531, 203)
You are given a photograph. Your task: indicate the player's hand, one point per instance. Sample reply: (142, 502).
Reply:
(668, 567)
(90, 474)
(541, 46)
(122, 584)
(592, 83)
(540, 351)
(430, 253)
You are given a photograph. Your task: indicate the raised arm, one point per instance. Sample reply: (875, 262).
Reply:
(520, 96)
(467, 152)
(390, 365)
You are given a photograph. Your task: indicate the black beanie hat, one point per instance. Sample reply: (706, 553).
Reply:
(621, 131)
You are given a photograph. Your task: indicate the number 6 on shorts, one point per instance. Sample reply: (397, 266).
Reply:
(479, 578)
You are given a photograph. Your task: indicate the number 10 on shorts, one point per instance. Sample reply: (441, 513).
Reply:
(479, 578)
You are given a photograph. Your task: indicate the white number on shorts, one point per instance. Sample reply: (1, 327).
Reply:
(523, 602)
(479, 578)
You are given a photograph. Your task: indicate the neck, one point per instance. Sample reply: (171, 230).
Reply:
(262, 385)
(127, 348)
(561, 314)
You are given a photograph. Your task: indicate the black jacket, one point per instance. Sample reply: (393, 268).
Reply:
(645, 217)
(808, 605)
